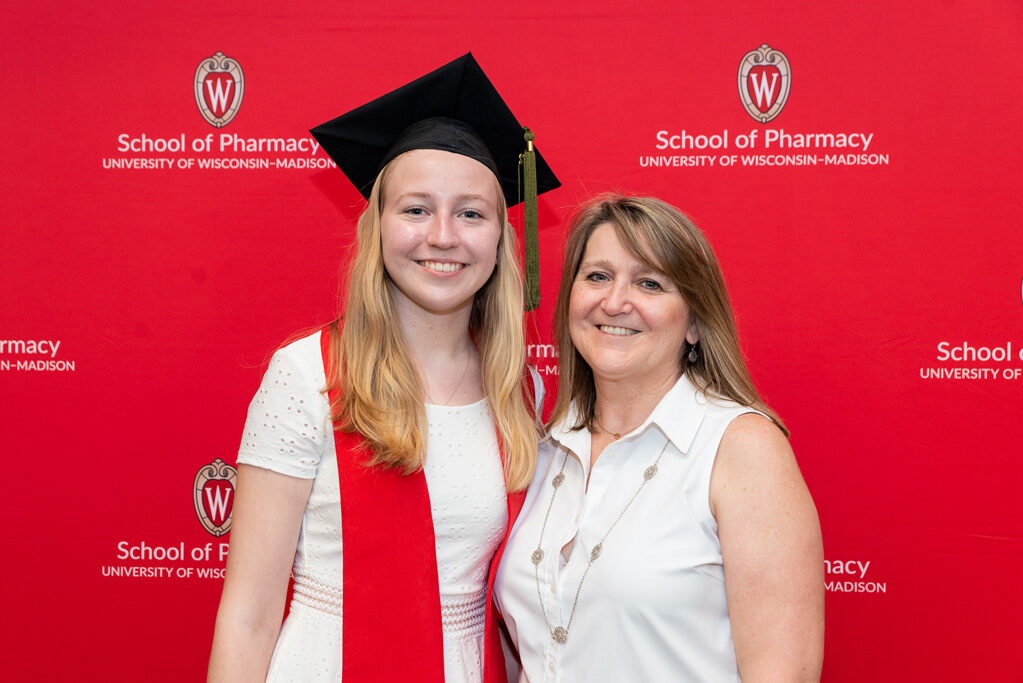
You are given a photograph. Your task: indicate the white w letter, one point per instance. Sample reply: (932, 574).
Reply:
(218, 93)
(218, 504)
(762, 90)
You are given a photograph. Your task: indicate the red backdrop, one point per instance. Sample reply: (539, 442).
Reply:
(879, 301)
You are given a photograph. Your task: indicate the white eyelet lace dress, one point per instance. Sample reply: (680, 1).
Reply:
(288, 431)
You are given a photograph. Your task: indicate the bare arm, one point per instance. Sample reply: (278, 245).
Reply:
(265, 525)
(772, 552)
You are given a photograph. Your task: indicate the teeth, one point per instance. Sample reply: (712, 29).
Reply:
(621, 331)
(442, 267)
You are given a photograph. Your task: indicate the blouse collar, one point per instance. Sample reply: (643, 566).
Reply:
(678, 415)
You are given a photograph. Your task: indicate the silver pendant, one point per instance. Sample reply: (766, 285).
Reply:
(560, 635)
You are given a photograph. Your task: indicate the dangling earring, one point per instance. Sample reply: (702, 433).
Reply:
(693, 356)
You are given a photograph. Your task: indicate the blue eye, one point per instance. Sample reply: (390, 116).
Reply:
(415, 211)
(472, 214)
(597, 277)
(651, 285)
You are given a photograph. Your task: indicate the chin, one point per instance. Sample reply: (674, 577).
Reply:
(443, 306)
(610, 370)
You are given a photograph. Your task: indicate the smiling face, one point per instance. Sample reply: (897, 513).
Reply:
(627, 321)
(439, 229)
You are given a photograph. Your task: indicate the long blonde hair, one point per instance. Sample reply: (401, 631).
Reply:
(381, 393)
(665, 240)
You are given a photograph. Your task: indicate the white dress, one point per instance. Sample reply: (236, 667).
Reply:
(288, 431)
(653, 604)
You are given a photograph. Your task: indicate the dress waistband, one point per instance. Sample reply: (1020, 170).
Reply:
(464, 616)
(317, 594)
(461, 616)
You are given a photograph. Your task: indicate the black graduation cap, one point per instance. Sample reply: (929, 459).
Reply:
(471, 119)
(455, 109)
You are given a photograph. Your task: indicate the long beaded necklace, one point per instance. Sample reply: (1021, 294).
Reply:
(560, 633)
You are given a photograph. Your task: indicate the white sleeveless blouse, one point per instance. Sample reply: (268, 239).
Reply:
(652, 607)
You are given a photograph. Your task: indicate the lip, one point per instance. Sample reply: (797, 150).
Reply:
(616, 331)
(441, 267)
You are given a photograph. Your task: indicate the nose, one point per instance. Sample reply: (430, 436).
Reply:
(616, 298)
(442, 232)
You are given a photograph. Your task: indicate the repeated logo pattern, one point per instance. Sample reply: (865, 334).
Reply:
(219, 86)
(213, 495)
(764, 81)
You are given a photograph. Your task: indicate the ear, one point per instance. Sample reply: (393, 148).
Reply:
(692, 332)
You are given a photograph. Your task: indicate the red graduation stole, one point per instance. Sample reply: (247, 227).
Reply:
(391, 628)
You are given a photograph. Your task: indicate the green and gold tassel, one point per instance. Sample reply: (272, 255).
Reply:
(530, 224)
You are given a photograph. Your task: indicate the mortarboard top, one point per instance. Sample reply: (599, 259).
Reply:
(454, 108)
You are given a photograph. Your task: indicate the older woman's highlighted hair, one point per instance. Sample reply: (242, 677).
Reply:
(665, 240)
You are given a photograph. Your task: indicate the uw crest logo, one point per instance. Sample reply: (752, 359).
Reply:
(219, 85)
(213, 495)
(764, 80)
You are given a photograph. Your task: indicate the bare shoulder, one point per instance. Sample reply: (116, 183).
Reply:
(754, 457)
(753, 442)
(772, 553)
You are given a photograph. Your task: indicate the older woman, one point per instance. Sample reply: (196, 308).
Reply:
(667, 534)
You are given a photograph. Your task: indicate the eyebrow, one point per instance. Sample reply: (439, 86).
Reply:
(427, 195)
(600, 263)
(604, 263)
(414, 195)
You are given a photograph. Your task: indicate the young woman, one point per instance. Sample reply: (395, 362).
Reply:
(381, 455)
(667, 534)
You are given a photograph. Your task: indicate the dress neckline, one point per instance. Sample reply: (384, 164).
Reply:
(437, 406)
